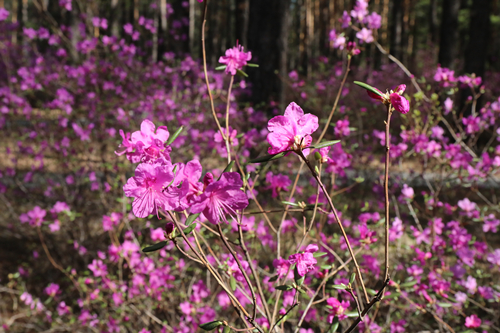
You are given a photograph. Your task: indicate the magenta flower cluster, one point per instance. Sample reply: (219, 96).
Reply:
(160, 185)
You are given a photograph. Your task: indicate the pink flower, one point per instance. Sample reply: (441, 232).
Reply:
(98, 268)
(305, 261)
(338, 309)
(365, 36)
(277, 183)
(292, 131)
(400, 103)
(52, 290)
(34, 216)
(235, 59)
(4, 13)
(472, 321)
(373, 21)
(146, 145)
(221, 197)
(148, 187)
(281, 266)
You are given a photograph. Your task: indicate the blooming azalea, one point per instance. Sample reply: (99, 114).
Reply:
(149, 188)
(305, 261)
(472, 321)
(338, 309)
(147, 145)
(235, 59)
(399, 103)
(221, 197)
(292, 131)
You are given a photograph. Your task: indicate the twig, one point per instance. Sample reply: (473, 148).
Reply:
(228, 147)
(375, 299)
(254, 272)
(386, 188)
(339, 222)
(235, 256)
(204, 52)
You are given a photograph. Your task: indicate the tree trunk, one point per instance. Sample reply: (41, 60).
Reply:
(265, 40)
(479, 33)
(115, 18)
(448, 43)
(397, 28)
(433, 22)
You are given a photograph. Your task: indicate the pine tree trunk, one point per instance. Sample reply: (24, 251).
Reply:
(265, 40)
(479, 34)
(448, 43)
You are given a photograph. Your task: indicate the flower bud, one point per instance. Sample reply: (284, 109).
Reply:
(400, 103)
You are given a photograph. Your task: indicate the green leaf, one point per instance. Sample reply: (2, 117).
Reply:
(211, 325)
(267, 158)
(319, 254)
(392, 295)
(352, 314)
(174, 136)
(220, 68)
(289, 203)
(324, 144)
(156, 247)
(339, 286)
(408, 284)
(284, 287)
(335, 327)
(445, 305)
(371, 292)
(191, 219)
(227, 329)
(368, 87)
(252, 65)
(240, 72)
(274, 278)
(326, 266)
(232, 283)
(353, 277)
(189, 229)
(228, 168)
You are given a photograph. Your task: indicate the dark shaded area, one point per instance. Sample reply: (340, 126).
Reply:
(265, 29)
(448, 46)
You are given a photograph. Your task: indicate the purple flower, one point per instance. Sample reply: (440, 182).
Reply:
(400, 103)
(66, 4)
(472, 321)
(338, 41)
(407, 192)
(52, 290)
(4, 13)
(490, 223)
(281, 266)
(277, 183)
(221, 197)
(398, 327)
(304, 261)
(494, 257)
(338, 309)
(365, 35)
(342, 128)
(345, 20)
(148, 187)
(373, 21)
(98, 268)
(235, 59)
(34, 216)
(292, 131)
(146, 145)
(444, 75)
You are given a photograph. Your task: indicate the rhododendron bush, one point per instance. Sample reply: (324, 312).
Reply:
(143, 196)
